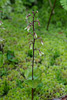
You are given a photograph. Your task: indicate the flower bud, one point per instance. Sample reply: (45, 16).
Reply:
(38, 23)
(28, 28)
(30, 46)
(3, 28)
(33, 12)
(29, 15)
(41, 53)
(35, 35)
(41, 42)
(36, 11)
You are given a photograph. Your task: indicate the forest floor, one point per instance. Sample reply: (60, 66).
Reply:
(50, 69)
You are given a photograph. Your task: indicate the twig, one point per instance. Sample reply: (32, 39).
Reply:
(51, 14)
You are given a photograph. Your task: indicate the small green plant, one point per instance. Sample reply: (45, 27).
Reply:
(52, 61)
(32, 45)
(3, 71)
(29, 2)
(1, 59)
(19, 83)
(5, 6)
(11, 57)
(55, 55)
(6, 88)
(30, 53)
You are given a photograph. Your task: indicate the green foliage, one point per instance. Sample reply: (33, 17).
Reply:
(19, 83)
(18, 6)
(29, 2)
(30, 53)
(64, 4)
(54, 57)
(28, 74)
(6, 88)
(5, 7)
(58, 75)
(50, 70)
(11, 57)
(56, 54)
(52, 61)
(1, 59)
(55, 21)
(12, 1)
(47, 83)
(64, 76)
(3, 71)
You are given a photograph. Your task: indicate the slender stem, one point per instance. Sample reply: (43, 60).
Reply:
(33, 55)
(51, 15)
(51, 6)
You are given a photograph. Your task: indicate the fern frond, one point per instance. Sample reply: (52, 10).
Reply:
(64, 4)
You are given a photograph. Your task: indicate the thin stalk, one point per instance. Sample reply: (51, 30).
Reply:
(33, 55)
(51, 14)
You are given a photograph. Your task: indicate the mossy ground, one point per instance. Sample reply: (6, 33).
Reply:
(52, 66)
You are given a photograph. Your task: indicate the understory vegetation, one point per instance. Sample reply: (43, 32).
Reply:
(50, 67)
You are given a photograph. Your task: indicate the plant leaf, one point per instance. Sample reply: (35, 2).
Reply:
(1, 59)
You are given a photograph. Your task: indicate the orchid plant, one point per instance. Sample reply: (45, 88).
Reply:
(35, 37)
